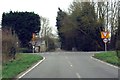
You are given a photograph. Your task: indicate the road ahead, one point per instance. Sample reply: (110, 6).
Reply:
(71, 65)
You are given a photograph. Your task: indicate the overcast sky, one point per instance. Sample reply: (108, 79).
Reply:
(45, 8)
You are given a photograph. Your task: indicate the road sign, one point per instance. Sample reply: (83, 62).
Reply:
(105, 40)
(105, 34)
(33, 37)
(33, 42)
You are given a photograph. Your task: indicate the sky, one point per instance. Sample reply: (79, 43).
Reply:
(45, 8)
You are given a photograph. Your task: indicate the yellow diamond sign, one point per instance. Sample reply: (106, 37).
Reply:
(105, 34)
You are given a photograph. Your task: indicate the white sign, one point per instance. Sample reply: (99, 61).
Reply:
(33, 46)
(105, 40)
(33, 42)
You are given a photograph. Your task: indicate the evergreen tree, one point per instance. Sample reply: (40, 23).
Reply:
(23, 23)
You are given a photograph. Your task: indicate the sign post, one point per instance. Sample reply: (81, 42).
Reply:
(105, 41)
(33, 42)
(33, 49)
(105, 35)
(105, 47)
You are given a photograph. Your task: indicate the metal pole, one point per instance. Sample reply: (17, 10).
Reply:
(105, 47)
(33, 49)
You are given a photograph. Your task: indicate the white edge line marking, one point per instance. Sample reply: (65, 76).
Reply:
(78, 75)
(104, 62)
(32, 68)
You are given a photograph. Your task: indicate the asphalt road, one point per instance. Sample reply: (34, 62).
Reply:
(71, 65)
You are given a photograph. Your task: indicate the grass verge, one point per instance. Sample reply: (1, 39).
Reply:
(23, 61)
(110, 57)
(0, 71)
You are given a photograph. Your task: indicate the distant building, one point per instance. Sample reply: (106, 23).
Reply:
(43, 46)
(39, 44)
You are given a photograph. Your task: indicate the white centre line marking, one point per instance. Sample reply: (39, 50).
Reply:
(78, 75)
(70, 63)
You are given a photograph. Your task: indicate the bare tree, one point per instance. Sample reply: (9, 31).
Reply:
(114, 16)
(46, 30)
(108, 15)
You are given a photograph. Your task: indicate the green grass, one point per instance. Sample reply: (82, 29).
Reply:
(23, 61)
(110, 57)
(0, 71)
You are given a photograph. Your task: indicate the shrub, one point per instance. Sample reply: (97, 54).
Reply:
(9, 40)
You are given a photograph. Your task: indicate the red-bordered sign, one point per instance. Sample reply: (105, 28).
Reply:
(105, 40)
(105, 34)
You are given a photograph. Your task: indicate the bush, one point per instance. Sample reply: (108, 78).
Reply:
(9, 40)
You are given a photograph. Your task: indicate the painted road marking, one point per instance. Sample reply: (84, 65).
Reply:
(78, 75)
(32, 68)
(70, 63)
(104, 62)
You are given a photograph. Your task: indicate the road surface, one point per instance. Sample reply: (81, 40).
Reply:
(71, 65)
